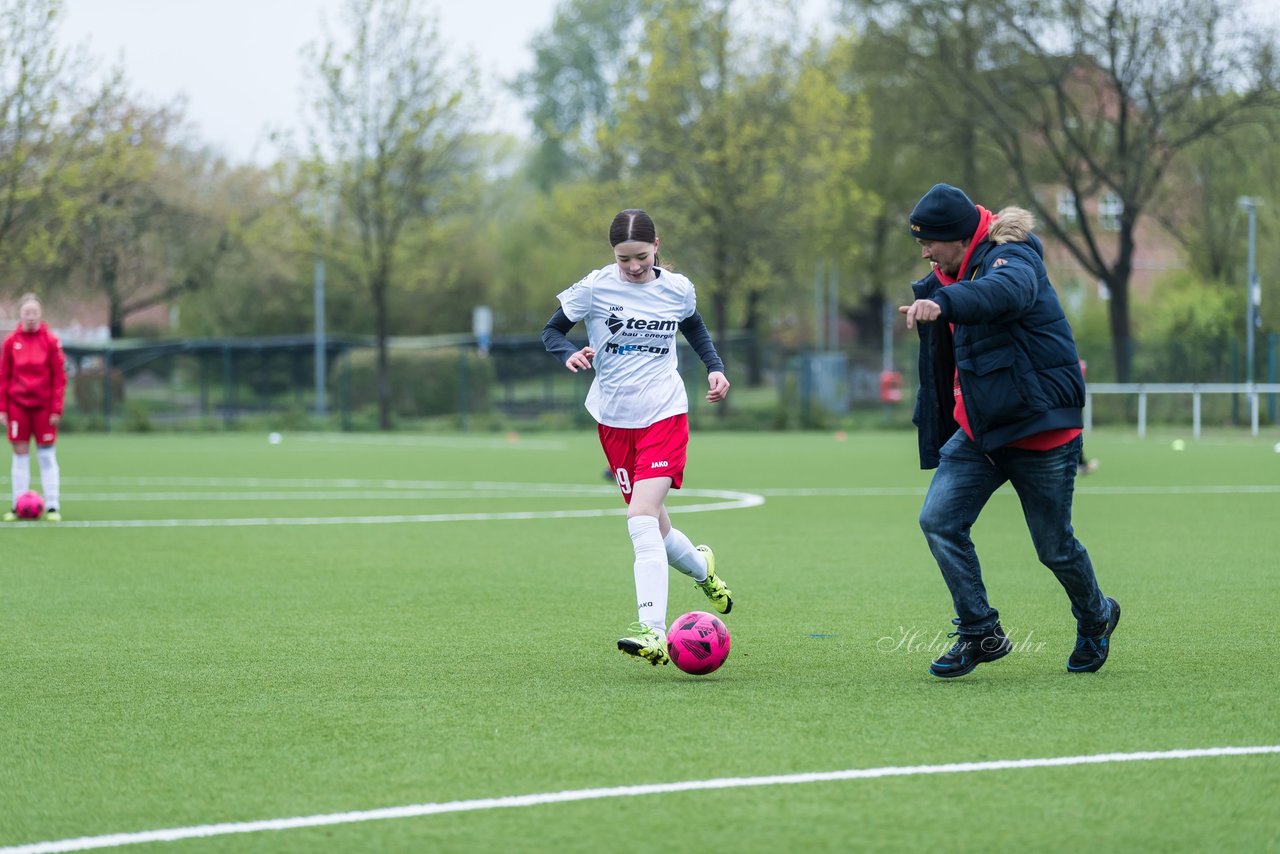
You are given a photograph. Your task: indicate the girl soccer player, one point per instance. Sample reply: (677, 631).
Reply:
(32, 381)
(632, 309)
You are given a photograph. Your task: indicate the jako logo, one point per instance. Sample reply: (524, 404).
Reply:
(660, 464)
(614, 323)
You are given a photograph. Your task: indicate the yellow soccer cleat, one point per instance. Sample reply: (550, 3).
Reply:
(645, 643)
(713, 588)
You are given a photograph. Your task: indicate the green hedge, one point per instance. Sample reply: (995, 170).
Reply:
(423, 382)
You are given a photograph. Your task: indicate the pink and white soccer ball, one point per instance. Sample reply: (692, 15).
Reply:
(29, 506)
(698, 642)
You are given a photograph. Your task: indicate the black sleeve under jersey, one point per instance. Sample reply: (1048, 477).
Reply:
(695, 332)
(555, 336)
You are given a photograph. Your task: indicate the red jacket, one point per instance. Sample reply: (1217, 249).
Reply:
(32, 370)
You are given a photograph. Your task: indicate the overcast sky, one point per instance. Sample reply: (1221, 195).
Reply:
(238, 63)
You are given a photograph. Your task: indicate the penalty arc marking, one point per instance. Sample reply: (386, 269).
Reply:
(721, 500)
(116, 840)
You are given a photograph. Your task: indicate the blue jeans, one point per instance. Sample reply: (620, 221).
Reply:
(1044, 482)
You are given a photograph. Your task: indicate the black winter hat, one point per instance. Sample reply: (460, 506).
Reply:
(944, 213)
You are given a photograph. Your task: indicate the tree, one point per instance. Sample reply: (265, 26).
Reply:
(1103, 96)
(910, 147)
(578, 65)
(749, 149)
(152, 221)
(255, 289)
(44, 114)
(1201, 206)
(387, 141)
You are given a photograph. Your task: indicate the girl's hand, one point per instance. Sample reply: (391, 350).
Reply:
(581, 360)
(719, 387)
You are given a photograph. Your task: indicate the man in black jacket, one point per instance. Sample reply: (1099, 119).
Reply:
(1001, 398)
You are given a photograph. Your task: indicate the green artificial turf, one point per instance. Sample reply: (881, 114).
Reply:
(173, 675)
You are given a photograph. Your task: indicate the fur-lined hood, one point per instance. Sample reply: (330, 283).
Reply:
(1011, 225)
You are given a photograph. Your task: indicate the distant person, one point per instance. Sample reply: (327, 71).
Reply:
(632, 309)
(1001, 399)
(32, 381)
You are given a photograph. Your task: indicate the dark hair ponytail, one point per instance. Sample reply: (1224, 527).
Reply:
(634, 224)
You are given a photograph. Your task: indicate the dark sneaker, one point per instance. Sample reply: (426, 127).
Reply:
(970, 651)
(1091, 650)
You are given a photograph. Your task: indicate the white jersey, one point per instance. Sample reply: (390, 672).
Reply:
(632, 327)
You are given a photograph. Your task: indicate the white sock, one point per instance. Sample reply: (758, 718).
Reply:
(650, 571)
(49, 479)
(20, 476)
(683, 556)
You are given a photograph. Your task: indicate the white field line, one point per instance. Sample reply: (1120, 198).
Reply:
(517, 443)
(500, 486)
(173, 834)
(333, 483)
(333, 495)
(603, 489)
(727, 501)
(373, 489)
(884, 492)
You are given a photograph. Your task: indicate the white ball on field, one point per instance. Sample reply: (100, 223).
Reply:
(1277, 448)
(1179, 445)
(274, 438)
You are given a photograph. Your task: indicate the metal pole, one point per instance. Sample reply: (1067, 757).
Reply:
(228, 385)
(1253, 294)
(833, 309)
(819, 328)
(107, 389)
(320, 344)
(1253, 284)
(886, 346)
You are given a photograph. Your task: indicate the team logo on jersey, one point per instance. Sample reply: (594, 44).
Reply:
(614, 323)
(1000, 262)
(632, 349)
(640, 324)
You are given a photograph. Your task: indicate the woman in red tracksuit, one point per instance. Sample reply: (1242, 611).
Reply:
(32, 381)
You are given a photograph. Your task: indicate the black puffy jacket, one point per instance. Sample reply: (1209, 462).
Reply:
(1016, 355)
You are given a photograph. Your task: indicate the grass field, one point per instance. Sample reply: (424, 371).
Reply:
(226, 631)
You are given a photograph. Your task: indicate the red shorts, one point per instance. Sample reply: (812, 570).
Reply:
(27, 423)
(639, 453)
